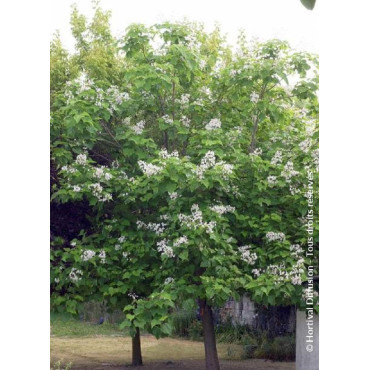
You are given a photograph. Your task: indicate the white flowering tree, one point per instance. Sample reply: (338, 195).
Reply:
(200, 164)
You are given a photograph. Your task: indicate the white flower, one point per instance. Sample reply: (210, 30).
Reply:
(271, 180)
(124, 254)
(149, 169)
(167, 119)
(76, 188)
(277, 158)
(121, 239)
(139, 127)
(81, 159)
(87, 255)
(157, 228)
(213, 124)
(96, 189)
(118, 247)
(305, 145)
(165, 155)
(185, 98)
(272, 236)
(169, 280)
(75, 275)
(185, 121)
(173, 195)
(56, 280)
(102, 256)
(254, 97)
(289, 172)
(108, 176)
(73, 244)
(246, 254)
(99, 172)
(134, 296)
(180, 241)
(165, 249)
(256, 272)
(221, 209)
(257, 151)
(106, 198)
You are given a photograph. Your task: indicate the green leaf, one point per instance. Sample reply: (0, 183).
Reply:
(309, 4)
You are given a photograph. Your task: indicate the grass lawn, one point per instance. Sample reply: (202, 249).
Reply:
(99, 347)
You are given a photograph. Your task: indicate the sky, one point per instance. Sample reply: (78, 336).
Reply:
(263, 19)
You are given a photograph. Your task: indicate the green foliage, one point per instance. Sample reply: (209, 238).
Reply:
(59, 365)
(279, 349)
(181, 321)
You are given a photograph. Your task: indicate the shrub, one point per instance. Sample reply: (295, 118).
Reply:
(182, 321)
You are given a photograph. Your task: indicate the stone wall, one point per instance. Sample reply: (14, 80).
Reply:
(277, 320)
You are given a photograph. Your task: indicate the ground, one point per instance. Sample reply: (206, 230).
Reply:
(114, 352)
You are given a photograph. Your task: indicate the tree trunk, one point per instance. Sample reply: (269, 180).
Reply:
(209, 336)
(136, 349)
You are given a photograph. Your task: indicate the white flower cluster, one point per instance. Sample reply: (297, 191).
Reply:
(124, 254)
(102, 256)
(165, 155)
(84, 83)
(122, 239)
(97, 189)
(157, 228)
(221, 209)
(254, 97)
(99, 172)
(271, 180)
(116, 95)
(133, 296)
(81, 159)
(315, 158)
(185, 121)
(184, 99)
(208, 161)
(277, 158)
(180, 241)
(173, 195)
(256, 272)
(169, 280)
(165, 249)
(293, 190)
(69, 169)
(195, 220)
(256, 152)
(272, 236)
(75, 275)
(76, 188)
(213, 124)
(149, 169)
(296, 250)
(138, 128)
(247, 255)
(288, 171)
(305, 145)
(118, 247)
(87, 255)
(167, 119)
(295, 275)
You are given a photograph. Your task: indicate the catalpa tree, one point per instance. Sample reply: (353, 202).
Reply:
(200, 163)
